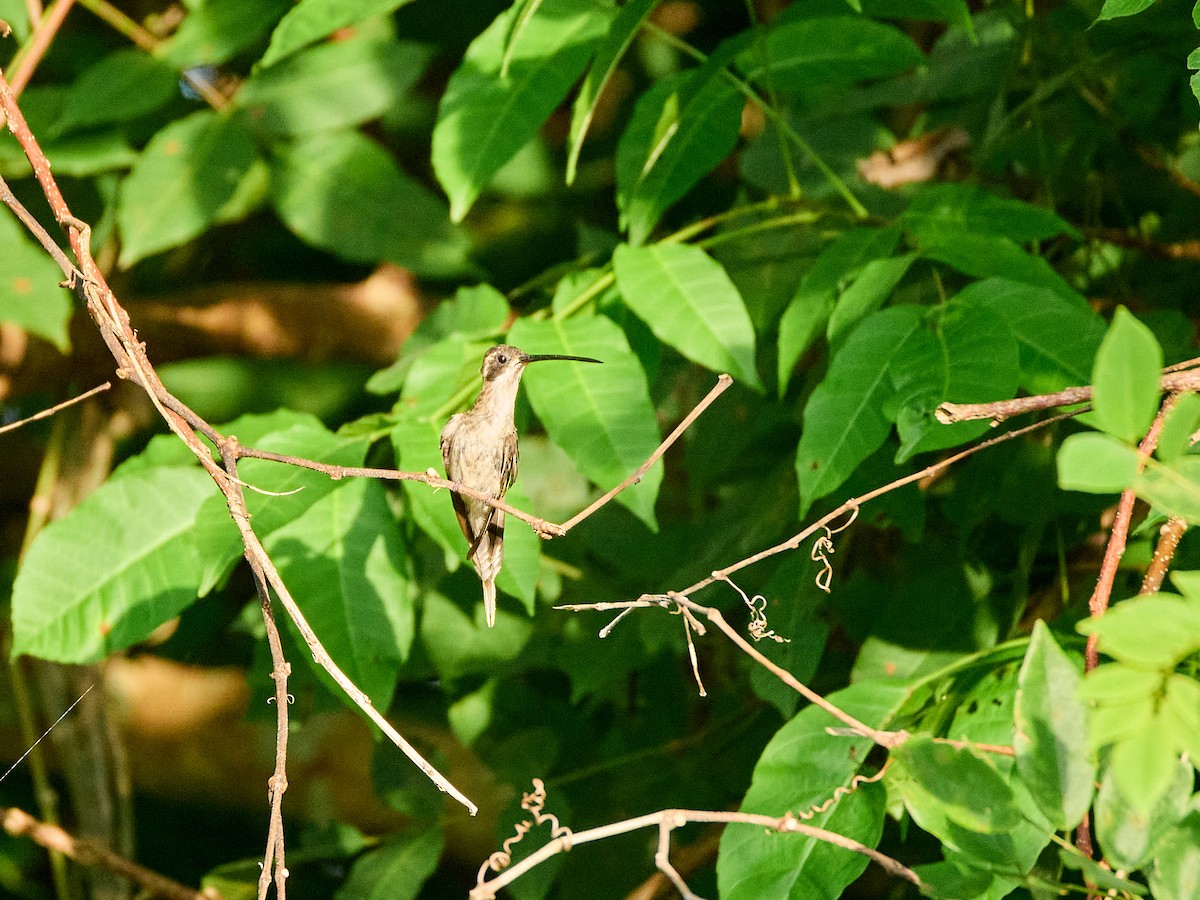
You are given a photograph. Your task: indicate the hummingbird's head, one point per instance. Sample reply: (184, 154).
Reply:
(506, 362)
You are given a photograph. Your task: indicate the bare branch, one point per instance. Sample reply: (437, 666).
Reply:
(58, 407)
(19, 823)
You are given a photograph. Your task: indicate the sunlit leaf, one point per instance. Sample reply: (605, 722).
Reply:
(29, 293)
(123, 85)
(395, 870)
(1096, 463)
(311, 20)
(1125, 378)
(219, 29)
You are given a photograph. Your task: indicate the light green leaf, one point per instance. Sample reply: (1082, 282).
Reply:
(29, 293)
(220, 29)
(1114, 9)
(1181, 423)
(485, 118)
(616, 42)
(186, 179)
(1051, 739)
(869, 291)
(846, 418)
(800, 769)
(311, 20)
(1121, 699)
(1127, 834)
(680, 130)
(342, 192)
(124, 85)
(1174, 489)
(345, 563)
(1143, 765)
(90, 153)
(522, 13)
(1058, 337)
(689, 302)
(601, 416)
(957, 206)
(395, 870)
(120, 564)
(1176, 871)
(1096, 463)
(1154, 631)
(809, 309)
(939, 780)
(332, 85)
(1125, 378)
(829, 49)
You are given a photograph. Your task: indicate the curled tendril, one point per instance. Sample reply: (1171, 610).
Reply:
(842, 791)
(533, 802)
(758, 613)
(823, 546)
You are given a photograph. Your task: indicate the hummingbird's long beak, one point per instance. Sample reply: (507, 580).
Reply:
(526, 358)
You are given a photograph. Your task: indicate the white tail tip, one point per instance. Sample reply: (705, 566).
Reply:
(489, 602)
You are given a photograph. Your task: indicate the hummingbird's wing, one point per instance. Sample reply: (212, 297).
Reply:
(452, 472)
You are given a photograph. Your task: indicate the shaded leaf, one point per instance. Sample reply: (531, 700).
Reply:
(188, 177)
(957, 783)
(344, 193)
(124, 85)
(460, 646)
(29, 293)
(485, 118)
(395, 870)
(869, 291)
(219, 29)
(311, 20)
(689, 302)
(939, 208)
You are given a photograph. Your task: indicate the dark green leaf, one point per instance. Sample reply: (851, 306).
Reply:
(845, 420)
(680, 130)
(1051, 732)
(29, 293)
(689, 302)
(342, 192)
(600, 415)
(966, 208)
(1114, 9)
(616, 42)
(311, 20)
(219, 29)
(871, 288)
(485, 118)
(957, 783)
(1096, 463)
(124, 85)
(190, 175)
(799, 770)
(332, 85)
(986, 256)
(1125, 378)
(395, 870)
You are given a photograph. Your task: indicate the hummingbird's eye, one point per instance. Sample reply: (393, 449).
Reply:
(501, 358)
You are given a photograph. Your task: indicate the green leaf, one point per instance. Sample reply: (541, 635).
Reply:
(124, 85)
(601, 416)
(1154, 631)
(1143, 765)
(962, 207)
(188, 177)
(1058, 337)
(628, 22)
(344, 193)
(1098, 874)
(522, 13)
(220, 29)
(1127, 834)
(680, 130)
(311, 20)
(1174, 489)
(957, 783)
(485, 118)
(1121, 699)
(987, 256)
(1096, 463)
(869, 291)
(29, 293)
(800, 769)
(690, 303)
(1114, 9)
(345, 563)
(810, 307)
(119, 565)
(1051, 732)
(289, 433)
(395, 870)
(1125, 378)
(845, 420)
(967, 354)
(332, 85)
(827, 49)
(1181, 423)
(1176, 871)
(459, 646)
(90, 153)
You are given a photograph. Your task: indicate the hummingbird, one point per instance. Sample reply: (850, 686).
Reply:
(479, 450)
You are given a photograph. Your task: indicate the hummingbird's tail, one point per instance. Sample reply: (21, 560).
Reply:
(489, 600)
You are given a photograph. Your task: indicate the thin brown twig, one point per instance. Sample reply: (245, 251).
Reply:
(1169, 537)
(26, 61)
(1179, 378)
(19, 823)
(58, 407)
(676, 818)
